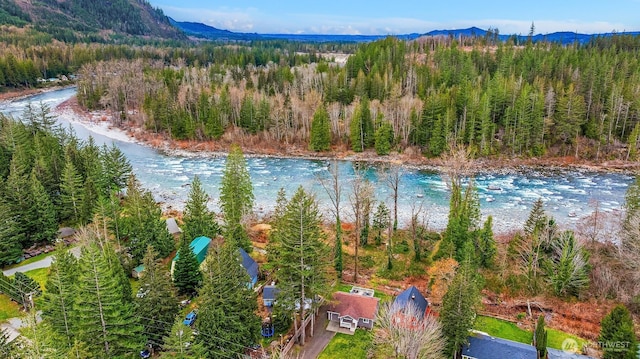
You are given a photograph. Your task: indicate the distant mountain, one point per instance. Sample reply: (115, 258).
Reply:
(209, 32)
(563, 37)
(212, 33)
(74, 20)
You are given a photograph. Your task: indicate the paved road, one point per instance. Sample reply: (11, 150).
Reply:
(321, 337)
(43, 263)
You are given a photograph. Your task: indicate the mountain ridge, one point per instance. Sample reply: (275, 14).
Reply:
(213, 33)
(78, 20)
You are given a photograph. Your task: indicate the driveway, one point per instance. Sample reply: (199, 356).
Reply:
(43, 263)
(316, 344)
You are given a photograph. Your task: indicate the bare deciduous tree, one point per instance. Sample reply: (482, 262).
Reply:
(362, 191)
(410, 334)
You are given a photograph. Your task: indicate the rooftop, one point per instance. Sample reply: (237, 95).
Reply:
(249, 264)
(355, 305)
(411, 295)
(484, 346)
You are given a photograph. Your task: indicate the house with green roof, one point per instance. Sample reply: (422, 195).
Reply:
(199, 246)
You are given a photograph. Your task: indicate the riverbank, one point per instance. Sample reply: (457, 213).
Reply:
(100, 121)
(23, 93)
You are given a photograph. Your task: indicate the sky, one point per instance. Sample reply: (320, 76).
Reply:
(406, 16)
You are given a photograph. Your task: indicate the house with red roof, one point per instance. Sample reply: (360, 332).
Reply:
(353, 310)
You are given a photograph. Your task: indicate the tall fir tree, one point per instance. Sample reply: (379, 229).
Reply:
(71, 193)
(181, 343)
(537, 218)
(236, 198)
(618, 335)
(117, 168)
(384, 138)
(198, 220)
(227, 318)
(459, 304)
(186, 273)
(156, 302)
(143, 222)
(302, 255)
(11, 237)
(486, 244)
(320, 131)
(105, 317)
(59, 296)
(381, 220)
(43, 222)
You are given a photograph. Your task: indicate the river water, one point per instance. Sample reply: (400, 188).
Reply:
(568, 194)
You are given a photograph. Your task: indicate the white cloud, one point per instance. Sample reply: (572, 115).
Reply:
(253, 20)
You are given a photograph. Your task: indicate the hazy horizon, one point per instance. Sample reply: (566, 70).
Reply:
(406, 16)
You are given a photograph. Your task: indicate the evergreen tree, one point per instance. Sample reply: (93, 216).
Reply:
(26, 289)
(11, 236)
(143, 222)
(117, 168)
(71, 193)
(320, 131)
(381, 220)
(459, 304)
(156, 301)
(227, 318)
(618, 335)
(44, 223)
(198, 220)
(568, 268)
(59, 297)
(301, 262)
(384, 139)
(236, 198)
(186, 273)
(105, 317)
(540, 338)
(537, 218)
(181, 343)
(486, 244)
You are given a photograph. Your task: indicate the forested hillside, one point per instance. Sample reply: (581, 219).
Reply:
(86, 20)
(536, 100)
(47, 178)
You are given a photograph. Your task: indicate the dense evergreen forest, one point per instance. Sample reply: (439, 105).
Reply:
(499, 99)
(48, 177)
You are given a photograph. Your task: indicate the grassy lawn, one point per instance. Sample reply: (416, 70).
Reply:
(8, 308)
(556, 337)
(348, 346)
(39, 275)
(503, 329)
(507, 330)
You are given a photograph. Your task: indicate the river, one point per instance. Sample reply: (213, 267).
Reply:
(568, 194)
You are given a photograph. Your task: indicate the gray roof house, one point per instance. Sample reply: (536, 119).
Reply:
(413, 296)
(251, 266)
(482, 346)
(269, 293)
(172, 226)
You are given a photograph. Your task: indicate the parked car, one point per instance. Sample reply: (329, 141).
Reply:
(190, 318)
(145, 354)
